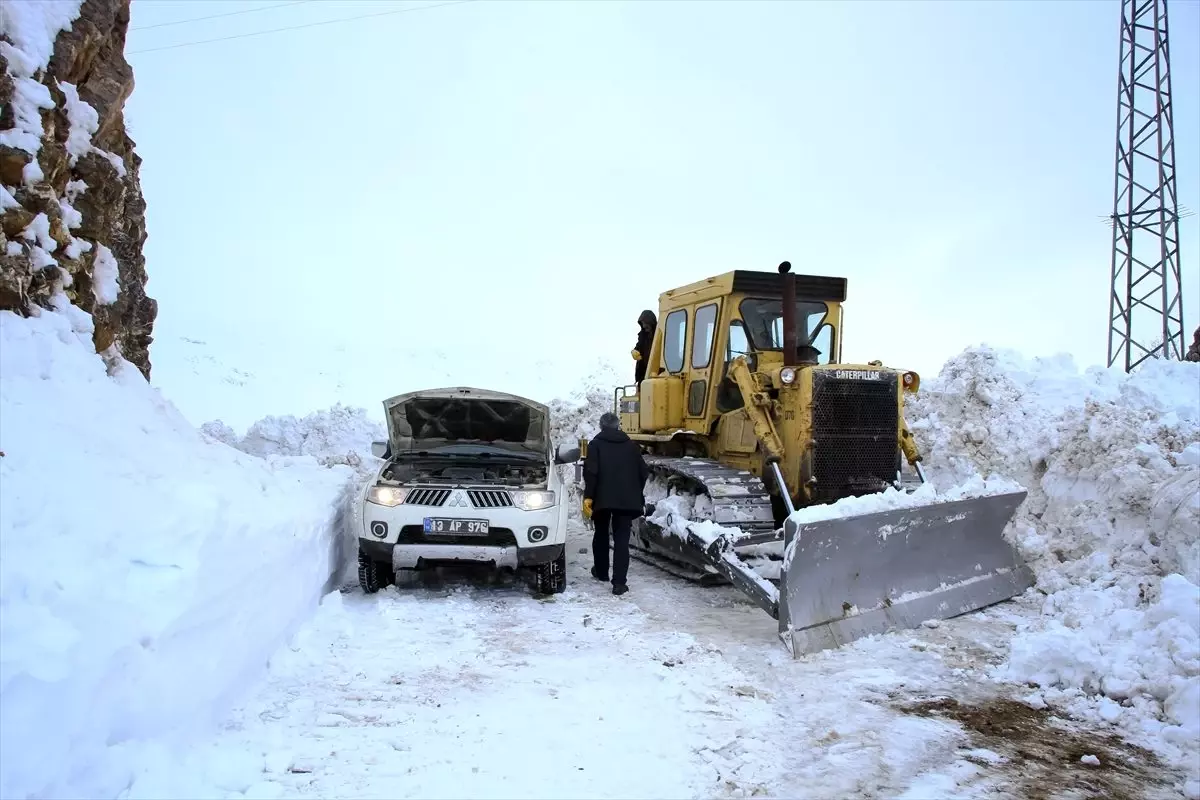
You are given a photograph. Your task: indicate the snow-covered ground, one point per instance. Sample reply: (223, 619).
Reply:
(460, 689)
(171, 622)
(1111, 528)
(693, 695)
(451, 688)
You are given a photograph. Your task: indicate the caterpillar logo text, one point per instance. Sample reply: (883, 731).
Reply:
(857, 374)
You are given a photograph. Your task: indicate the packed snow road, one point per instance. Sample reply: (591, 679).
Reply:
(452, 687)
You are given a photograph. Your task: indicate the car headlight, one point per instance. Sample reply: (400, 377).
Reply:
(389, 496)
(533, 501)
(787, 375)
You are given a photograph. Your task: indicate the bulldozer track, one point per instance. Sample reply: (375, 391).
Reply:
(739, 500)
(672, 568)
(739, 497)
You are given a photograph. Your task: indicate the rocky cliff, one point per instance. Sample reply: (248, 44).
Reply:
(72, 217)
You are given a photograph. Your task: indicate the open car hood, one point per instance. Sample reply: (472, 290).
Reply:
(462, 415)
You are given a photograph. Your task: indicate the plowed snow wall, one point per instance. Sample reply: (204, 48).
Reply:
(147, 572)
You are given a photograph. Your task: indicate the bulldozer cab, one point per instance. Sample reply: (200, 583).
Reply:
(705, 325)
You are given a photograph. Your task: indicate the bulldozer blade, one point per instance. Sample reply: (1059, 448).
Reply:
(851, 577)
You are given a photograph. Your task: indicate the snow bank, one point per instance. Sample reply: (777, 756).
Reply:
(1111, 526)
(146, 572)
(893, 499)
(338, 435)
(578, 416)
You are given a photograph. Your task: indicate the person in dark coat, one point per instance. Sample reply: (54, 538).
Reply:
(614, 481)
(647, 323)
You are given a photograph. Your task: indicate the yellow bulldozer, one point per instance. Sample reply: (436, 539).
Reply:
(747, 413)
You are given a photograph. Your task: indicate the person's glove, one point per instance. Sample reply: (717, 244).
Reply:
(636, 355)
(587, 508)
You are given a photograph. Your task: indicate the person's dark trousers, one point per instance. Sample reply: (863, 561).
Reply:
(621, 524)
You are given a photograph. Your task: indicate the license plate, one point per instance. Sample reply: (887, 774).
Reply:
(465, 527)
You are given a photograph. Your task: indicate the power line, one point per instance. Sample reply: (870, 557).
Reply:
(216, 16)
(298, 27)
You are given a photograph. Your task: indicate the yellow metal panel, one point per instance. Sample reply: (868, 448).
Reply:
(707, 289)
(662, 403)
(736, 433)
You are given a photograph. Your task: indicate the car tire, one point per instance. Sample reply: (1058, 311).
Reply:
(552, 577)
(372, 576)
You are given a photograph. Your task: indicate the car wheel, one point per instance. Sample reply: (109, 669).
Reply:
(552, 577)
(368, 574)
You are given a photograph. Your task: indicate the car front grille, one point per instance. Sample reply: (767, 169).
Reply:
(479, 498)
(427, 497)
(489, 498)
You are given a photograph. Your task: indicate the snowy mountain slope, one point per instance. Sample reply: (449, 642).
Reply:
(240, 381)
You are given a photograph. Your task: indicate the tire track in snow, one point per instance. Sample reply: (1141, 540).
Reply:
(672, 691)
(481, 692)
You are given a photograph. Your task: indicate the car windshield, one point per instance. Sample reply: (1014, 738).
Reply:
(763, 318)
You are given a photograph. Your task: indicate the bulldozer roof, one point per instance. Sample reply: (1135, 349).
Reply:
(758, 282)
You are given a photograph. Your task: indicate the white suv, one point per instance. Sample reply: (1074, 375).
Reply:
(468, 477)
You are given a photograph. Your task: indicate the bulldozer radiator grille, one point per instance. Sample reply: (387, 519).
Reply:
(854, 427)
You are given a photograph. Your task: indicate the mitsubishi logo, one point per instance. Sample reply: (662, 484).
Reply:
(458, 498)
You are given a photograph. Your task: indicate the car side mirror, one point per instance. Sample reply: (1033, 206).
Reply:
(566, 454)
(381, 449)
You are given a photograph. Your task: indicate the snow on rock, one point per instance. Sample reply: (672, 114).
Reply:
(83, 120)
(1111, 526)
(105, 284)
(31, 28)
(133, 554)
(56, 52)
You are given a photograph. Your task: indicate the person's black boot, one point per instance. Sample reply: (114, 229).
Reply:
(598, 576)
(620, 588)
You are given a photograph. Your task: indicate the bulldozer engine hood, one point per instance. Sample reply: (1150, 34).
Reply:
(435, 418)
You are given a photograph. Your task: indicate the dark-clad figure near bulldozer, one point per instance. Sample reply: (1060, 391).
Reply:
(614, 480)
(647, 323)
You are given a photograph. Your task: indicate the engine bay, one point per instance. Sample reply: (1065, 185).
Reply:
(471, 473)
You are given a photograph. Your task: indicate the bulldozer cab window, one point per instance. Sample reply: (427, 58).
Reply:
(764, 324)
(737, 344)
(674, 339)
(702, 339)
(729, 397)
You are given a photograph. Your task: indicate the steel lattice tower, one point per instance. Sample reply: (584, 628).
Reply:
(1146, 304)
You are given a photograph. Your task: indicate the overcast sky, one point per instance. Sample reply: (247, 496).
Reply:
(531, 175)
